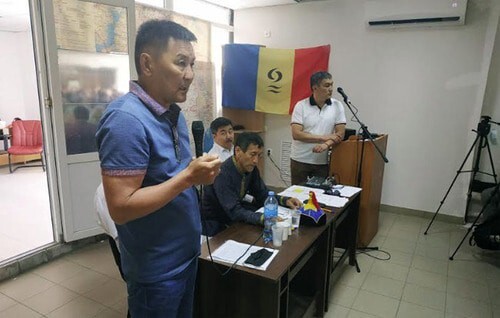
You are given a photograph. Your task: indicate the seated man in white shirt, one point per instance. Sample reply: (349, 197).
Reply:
(222, 131)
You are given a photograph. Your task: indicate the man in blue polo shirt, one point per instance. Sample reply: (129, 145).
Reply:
(148, 174)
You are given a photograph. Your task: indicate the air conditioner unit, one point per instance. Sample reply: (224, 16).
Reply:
(411, 13)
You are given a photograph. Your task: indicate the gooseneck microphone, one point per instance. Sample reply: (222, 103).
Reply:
(341, 92)
(198, 130)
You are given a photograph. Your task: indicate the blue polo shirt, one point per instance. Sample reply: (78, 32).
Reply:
(137, 136)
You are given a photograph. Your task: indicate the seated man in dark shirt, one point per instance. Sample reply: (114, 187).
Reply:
(238, 191)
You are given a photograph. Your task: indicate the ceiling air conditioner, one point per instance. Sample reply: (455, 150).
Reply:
(411, 13)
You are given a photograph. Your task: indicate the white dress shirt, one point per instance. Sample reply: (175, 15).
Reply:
(221, 151)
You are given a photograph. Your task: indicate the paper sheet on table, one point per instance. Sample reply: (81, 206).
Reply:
(300, 192)
(283, 212)
(348, 191)
(331, 200)
(231, 250)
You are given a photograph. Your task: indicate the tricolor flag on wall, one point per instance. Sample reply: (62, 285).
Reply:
(269, 80)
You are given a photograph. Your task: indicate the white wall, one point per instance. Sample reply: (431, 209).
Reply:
(491, 107)
(18, 87)
(422, 86)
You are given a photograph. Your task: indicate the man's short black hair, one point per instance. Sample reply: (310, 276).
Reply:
(246, 139)
(218, 123)
(154, 35)
(317, 77)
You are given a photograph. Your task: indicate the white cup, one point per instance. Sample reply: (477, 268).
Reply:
(284, 226)
(277, 235)
(295, 219)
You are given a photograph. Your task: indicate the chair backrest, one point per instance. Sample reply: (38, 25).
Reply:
(27, 133)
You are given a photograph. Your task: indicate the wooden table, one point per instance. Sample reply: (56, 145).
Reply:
(296, 283)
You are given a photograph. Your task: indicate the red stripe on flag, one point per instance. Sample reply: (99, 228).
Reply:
(307, 62)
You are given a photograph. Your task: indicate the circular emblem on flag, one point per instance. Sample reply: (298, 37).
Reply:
(275, 76)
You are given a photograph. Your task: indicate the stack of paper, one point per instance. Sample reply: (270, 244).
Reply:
(331, 200)
(347, 191)
(302, 193)
(231, 251)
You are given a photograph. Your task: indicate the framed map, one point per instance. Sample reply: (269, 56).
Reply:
(90, 27)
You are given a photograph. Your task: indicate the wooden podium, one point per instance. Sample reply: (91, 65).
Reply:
(344, 165)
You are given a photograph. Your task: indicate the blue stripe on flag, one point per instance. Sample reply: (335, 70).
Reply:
(239, 75)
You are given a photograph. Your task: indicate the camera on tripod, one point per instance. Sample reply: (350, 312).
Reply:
(481, 142)
(484, 126)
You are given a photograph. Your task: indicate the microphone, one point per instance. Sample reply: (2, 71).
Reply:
(198, 130)
(341, 92)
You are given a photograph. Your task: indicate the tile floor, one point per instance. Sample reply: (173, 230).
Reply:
(27, 225)
(418, 280)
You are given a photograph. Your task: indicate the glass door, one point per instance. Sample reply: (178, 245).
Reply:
(87, 49)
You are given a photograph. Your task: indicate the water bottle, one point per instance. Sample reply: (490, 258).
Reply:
(270, 215)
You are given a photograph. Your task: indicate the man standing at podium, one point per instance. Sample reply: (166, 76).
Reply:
(318, 123)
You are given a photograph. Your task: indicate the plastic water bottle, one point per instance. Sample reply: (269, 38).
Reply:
(270, 215)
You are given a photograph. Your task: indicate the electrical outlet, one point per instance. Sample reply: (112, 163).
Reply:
(269, 152)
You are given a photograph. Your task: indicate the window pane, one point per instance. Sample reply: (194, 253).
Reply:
(220, 36)
(202, 10)
(155, 3)
(89, 82)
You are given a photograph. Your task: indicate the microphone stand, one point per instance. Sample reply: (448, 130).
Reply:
(365, 133)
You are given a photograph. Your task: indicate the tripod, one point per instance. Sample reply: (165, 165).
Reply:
(481, 142)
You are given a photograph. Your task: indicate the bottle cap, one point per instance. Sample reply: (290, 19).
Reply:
(270, 193)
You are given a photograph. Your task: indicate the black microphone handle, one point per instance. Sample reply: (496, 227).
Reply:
(341, 92)
(198, 148)
(198, 131)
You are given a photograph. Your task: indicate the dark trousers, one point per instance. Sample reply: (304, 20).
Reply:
(300, 171)
(170, 298)
(118, 259)
(116, 254)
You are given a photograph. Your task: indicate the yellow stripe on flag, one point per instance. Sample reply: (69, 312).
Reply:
(274, 80)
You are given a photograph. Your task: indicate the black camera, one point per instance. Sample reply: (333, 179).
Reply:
(483, 128)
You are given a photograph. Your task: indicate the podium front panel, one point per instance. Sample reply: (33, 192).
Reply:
(344, 166)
